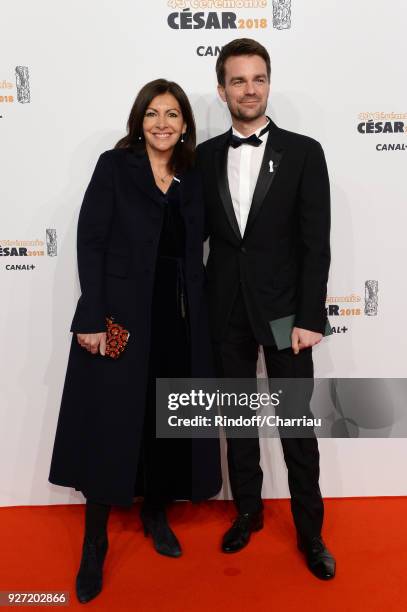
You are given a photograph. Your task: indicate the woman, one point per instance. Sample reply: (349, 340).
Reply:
(139, 244)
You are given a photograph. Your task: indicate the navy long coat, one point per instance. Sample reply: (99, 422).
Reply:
(99, 431)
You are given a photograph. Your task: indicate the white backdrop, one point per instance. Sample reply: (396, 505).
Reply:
(337, 65)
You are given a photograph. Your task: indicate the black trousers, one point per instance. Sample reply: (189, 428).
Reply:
(236, 357)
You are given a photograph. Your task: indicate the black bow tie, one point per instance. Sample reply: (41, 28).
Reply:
(255, 141)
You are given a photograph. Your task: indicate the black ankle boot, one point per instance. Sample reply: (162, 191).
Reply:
(90, 576)
(164, 539)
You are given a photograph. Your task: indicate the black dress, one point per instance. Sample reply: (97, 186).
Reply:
(166, 461)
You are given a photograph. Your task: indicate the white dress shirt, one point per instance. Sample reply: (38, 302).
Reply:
(243, 169)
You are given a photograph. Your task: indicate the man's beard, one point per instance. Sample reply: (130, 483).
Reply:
(242, 115)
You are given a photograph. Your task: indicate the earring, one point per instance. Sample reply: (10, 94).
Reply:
(182, 137)
(139, 137)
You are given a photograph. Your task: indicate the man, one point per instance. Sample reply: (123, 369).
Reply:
(268, 218)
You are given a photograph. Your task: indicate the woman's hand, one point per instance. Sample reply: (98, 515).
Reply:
(93, 342)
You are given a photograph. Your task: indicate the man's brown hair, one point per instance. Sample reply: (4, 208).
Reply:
(240, 46)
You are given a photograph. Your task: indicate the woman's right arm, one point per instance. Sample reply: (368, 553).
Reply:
(94, 224)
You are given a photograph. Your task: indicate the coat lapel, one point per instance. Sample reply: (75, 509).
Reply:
(273, 153)
(144, 178)
(143, 175)
(221, 156)
(187, 186)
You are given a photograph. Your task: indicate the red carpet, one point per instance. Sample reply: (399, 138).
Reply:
(41, 549)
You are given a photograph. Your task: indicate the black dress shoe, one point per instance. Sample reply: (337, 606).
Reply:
(319, 559)
(238, 536)
(164, 539)
(90, 575)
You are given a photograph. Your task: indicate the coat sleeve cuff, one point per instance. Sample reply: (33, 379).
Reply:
(311, 325)
(88, 319)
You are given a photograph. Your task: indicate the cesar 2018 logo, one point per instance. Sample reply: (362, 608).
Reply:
(187, 19)
(22, 79)
(384, 123)
(29, 248)
(352, 306)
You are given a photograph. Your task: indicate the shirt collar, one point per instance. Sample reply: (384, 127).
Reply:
(257, 132)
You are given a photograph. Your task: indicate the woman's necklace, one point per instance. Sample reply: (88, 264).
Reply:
(161, 178)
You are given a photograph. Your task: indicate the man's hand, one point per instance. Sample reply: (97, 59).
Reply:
(303, 338)
(93, 342)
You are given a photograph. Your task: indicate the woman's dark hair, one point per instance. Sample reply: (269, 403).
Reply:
(184, 152)
(240, 46)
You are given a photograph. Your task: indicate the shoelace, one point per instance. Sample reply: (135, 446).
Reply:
(241, 521)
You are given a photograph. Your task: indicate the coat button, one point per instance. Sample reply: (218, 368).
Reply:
(243, 250)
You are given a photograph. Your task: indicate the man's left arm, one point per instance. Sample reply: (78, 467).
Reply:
(314, 231)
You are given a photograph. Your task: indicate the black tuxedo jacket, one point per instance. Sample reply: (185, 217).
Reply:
(282, 261)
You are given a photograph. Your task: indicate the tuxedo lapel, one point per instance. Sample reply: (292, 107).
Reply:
(221, 157)
(269, 167)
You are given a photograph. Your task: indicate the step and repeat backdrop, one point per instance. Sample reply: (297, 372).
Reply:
(69, 72)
